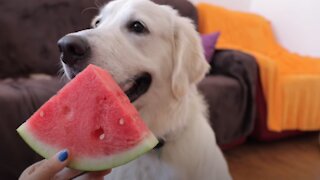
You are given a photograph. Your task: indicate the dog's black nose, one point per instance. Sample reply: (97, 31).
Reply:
(73, 48)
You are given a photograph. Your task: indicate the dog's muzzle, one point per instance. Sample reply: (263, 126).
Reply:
(75, 51)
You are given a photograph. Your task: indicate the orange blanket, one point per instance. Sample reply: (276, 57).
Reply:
(291, 83)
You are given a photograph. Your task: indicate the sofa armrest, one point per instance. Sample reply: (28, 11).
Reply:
(19, 98)
(242, 67)
(230, 90)
(233, 63)
(223, 94)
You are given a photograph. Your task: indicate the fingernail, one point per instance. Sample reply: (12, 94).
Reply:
(63, 155)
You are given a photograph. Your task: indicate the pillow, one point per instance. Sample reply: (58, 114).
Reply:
(209, 42)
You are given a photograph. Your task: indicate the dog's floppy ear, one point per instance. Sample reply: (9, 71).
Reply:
(189, 64)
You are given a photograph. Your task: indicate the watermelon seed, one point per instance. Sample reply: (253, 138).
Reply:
(65, 110)
(41, 114)
(99, 133)
(121, 121)
(101, 137)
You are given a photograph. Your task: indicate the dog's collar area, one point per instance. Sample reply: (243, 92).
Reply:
(160, 144)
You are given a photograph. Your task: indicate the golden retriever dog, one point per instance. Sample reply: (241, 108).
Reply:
(156, 57)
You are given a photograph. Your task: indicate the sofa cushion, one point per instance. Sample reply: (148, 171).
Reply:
(184, 7)
(30, 29)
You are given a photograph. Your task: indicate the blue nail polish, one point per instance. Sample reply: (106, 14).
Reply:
(63, 155)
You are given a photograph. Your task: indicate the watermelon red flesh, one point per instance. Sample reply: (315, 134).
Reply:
(93, 119)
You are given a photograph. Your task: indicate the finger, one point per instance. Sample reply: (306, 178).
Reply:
(50, 167)
(30, 170)
(68, 173)
(94, 175)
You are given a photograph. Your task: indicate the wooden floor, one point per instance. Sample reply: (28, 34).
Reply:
(291, 159)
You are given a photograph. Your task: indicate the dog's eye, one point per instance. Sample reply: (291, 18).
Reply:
(137, 27)
(96, 23)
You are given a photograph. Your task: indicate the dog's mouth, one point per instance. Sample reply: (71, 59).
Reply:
(133, 87)
(137, 86)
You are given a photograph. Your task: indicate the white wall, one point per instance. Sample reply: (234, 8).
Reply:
(242, 5)
(295, 22)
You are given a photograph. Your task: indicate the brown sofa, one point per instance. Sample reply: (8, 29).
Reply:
(29, 73)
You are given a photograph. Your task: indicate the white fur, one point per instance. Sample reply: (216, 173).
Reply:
(172, 107)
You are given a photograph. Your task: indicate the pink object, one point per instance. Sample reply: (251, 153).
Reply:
(209, 42)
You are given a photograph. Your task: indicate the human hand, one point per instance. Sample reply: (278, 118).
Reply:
(55, 168)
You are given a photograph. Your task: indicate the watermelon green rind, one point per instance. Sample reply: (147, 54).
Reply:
(89, 163)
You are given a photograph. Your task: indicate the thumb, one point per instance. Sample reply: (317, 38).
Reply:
(50, 167)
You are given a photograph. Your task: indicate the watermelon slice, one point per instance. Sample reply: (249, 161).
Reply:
(93, 119)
